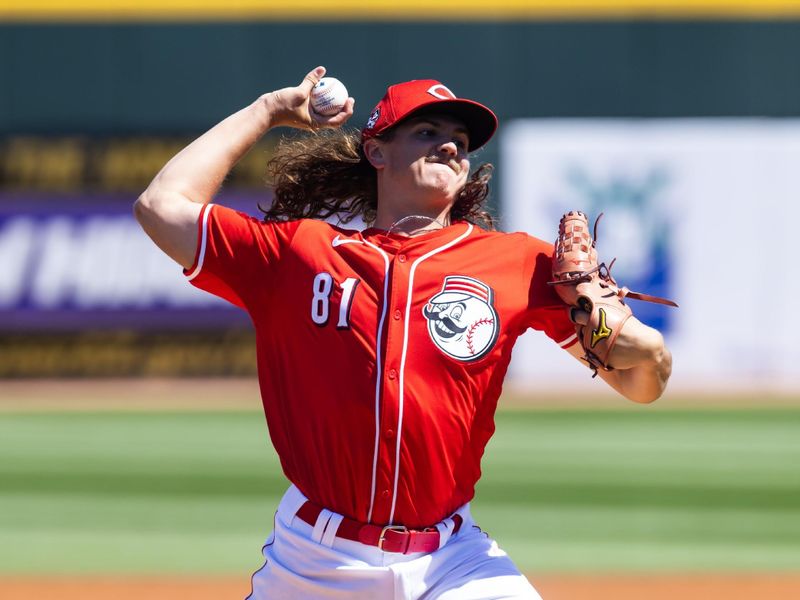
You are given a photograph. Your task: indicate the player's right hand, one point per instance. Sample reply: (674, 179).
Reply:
(290, 106)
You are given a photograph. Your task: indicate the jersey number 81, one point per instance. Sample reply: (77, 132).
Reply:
(320, 302)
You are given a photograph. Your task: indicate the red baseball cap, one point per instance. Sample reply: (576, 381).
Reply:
(403, 100)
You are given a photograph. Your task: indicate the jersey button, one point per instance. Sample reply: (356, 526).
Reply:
(390, 433)
(385, 493)
(397, 315)
(401, 258)
(392, 374)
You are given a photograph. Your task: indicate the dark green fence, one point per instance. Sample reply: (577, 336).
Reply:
(173, 78)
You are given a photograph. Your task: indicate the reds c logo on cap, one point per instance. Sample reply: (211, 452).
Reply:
(462, 321)
(442, 92)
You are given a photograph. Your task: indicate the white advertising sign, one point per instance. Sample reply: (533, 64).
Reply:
(703, 211)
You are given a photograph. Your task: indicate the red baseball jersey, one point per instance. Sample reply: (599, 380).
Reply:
(380, 357)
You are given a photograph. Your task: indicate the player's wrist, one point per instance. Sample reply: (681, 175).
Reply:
(638, 346)
(649, 344)
(265, 111)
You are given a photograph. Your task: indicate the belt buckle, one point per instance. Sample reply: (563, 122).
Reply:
(382, 538)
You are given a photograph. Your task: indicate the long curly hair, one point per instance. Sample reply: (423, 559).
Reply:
(325, 173)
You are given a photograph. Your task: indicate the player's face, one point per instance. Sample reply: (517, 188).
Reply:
(427, 158)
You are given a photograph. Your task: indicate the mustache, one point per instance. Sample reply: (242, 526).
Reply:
(450, 162)
(447, 321)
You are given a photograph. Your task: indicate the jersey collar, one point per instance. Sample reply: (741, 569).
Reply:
(383, 238)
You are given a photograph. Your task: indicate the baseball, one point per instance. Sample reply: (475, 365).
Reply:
(328, 96)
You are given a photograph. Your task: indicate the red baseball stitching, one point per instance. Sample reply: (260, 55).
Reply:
(484, 321)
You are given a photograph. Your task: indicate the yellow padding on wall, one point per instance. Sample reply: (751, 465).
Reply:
(449, 10)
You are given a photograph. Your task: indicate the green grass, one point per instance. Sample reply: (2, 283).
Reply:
(193, 492)
(645, 490)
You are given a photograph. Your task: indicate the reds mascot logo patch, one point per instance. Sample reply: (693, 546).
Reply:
(462, 321)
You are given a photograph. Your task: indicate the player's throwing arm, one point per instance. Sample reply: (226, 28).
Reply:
(168, 209)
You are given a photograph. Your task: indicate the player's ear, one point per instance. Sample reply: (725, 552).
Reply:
(374, 151)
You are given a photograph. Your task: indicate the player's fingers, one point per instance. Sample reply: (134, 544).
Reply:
(339, 118)
(312, 79)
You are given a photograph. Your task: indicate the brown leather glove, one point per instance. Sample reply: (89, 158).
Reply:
(586, 285)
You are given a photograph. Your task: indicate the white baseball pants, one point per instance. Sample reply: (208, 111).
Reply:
(304, 562)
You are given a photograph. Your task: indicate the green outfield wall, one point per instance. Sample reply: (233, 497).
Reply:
(171, 78)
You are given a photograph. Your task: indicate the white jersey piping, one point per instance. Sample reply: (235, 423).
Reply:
(378, 378)
(203, 240)
(569, 340)
(403, 359)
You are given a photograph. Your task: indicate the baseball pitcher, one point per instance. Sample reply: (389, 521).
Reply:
(381, 352)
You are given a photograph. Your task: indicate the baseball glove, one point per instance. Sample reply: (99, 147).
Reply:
(588, 286)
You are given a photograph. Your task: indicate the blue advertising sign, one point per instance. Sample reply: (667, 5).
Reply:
(74, 264)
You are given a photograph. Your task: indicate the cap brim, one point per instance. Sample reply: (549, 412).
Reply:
(481, 122)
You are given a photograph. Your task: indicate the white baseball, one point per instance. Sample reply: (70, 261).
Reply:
(328, 96)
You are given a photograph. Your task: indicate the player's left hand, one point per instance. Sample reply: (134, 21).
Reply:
(290, 106)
